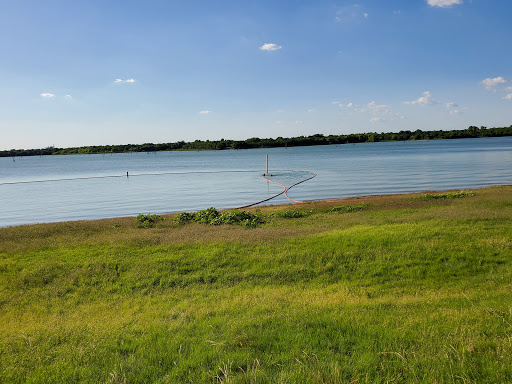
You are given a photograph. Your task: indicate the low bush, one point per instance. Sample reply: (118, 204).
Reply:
(206, 216)
(148, 221)
(184, 217)
(447, 195)
(213, 217)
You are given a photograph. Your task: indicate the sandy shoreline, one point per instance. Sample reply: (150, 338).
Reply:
(267, 207)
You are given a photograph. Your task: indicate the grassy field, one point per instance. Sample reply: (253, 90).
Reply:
(409, 288)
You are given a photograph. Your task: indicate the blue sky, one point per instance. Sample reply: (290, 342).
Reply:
(76, 73)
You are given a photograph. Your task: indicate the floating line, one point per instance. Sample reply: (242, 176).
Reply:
(117, 176)
(300, 182)
(285, 189)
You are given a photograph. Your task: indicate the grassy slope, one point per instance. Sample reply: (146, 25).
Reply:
(407, 290)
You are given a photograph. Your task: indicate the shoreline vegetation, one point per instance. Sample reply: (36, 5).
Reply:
(317, 139)
(396, 288)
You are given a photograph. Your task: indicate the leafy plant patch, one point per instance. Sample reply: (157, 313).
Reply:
(148, 221)
(448, 195)
(213, 217)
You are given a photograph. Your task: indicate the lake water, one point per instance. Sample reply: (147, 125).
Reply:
(58, 188)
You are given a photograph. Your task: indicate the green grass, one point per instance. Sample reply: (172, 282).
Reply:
(402, 290)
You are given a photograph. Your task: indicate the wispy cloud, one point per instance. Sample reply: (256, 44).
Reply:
(426, 99)
(444, 3)
(350, 13)
(375, 108)
(491, 84)
(270, 47)
(452, 108)
(341, 105)
(124, 81)
(68, 97)
(205, 112)
(47, 95)
(378, 112)
(508, 97)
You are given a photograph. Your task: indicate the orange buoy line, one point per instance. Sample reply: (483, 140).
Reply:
(285, 189)
(300, 182)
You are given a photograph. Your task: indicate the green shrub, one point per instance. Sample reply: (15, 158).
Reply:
(238, 217)
(447, 195)
(213, 217)
(184, 217)
(206, 216)
(148, 221)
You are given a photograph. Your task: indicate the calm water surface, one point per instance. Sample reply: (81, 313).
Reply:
(57, 188)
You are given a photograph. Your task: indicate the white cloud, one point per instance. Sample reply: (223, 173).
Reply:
(444, 3)
(490, 84)
(270, 47)
(69, 97)
(47, 95)
(205, 112)
(380, 112)
(376, 108)
(508, 97)
(426, 99)
(377, 112)
(349, 105)
(350, 13)
(453, 108)
(288, 123)
(124, 81)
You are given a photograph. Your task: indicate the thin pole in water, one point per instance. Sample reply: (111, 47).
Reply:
(266, 174)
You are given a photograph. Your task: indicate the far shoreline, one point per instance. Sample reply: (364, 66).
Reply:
(471, 132)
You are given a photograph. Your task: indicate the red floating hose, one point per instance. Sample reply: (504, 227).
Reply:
(285, 190)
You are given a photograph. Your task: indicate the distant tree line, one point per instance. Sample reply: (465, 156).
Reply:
(255, 142)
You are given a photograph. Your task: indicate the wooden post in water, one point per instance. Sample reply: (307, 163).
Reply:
(266, 174)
